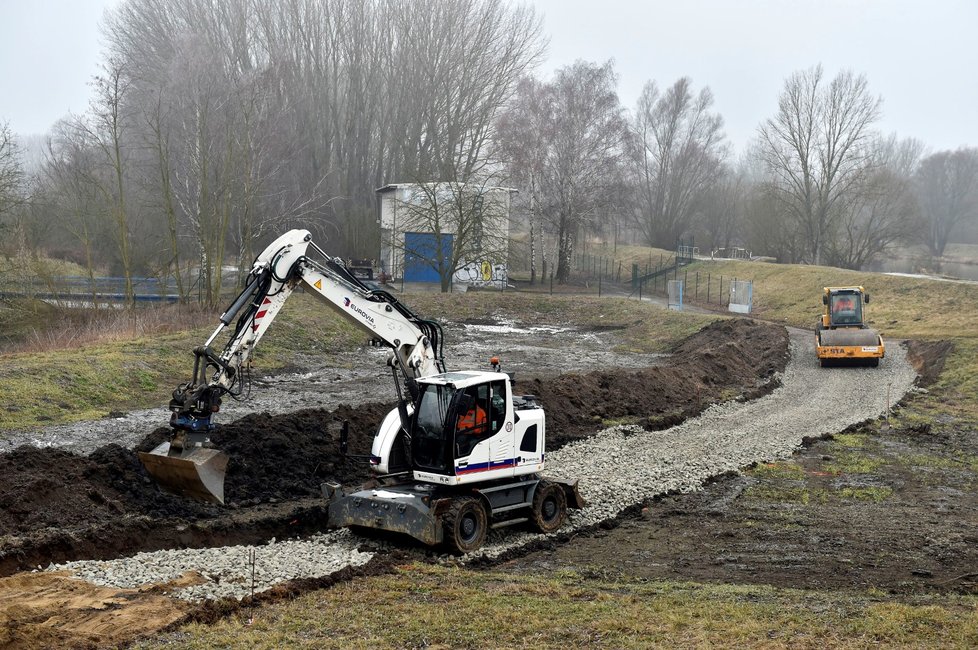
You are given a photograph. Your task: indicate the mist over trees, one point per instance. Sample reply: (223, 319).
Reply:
(217, 124)
(11, 173)
(947, 186)
(578, 159)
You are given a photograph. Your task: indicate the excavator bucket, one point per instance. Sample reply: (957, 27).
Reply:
(197, 473)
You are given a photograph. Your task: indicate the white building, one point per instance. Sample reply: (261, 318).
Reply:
(408, 242)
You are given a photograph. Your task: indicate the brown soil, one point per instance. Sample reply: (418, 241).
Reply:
(56, 506)
(52, 610)
(892, 509)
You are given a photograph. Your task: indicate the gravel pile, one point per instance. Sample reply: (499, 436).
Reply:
(227, 571)
(620, 467)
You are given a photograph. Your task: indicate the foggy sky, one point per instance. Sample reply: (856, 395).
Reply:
(919, 55)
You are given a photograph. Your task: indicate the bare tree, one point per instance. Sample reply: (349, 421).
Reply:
(522, 137)
(815, 149)
(218, 122)
(107, 133)
(11, 173)
(576, 132)
(585, 154)
(72, 191)
(678, 150)
(947, 189)
(879, 211)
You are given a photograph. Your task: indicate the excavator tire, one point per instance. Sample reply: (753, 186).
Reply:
(549, 508)
(466, 524)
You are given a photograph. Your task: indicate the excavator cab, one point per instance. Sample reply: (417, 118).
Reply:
(467, 427)
(449, 423)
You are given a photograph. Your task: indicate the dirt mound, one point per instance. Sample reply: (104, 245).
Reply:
(287, 456)
(928, 358)
(51, 488)
(273, 458)
(723, 357)
(55, 505)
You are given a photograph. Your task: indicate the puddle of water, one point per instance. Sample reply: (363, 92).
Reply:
(512, 329)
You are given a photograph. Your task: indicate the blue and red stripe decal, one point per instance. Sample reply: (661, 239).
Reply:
(485, 467)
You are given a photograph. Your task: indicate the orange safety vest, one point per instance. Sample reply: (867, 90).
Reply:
(475, 417)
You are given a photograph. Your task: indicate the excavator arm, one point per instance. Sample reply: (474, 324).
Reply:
(188, 464)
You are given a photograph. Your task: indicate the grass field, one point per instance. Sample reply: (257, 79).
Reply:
(423, 606)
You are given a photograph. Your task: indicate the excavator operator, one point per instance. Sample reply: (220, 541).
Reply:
(474, 418)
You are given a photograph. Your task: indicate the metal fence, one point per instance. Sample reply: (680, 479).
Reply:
(76, 288)
(741, 296)
(676, 295)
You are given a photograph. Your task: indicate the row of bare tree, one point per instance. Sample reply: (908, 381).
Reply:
(819, 185)
(219, 123)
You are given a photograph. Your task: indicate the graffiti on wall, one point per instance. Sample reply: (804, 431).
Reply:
(482, 274)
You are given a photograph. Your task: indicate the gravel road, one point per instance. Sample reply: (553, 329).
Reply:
(619, 467)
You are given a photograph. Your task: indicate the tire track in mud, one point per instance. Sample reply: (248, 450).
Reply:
(619, 468)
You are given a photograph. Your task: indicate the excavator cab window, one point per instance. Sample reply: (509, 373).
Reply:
(429, 443)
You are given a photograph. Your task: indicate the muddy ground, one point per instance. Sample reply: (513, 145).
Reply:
(894, 509)
(56, 506)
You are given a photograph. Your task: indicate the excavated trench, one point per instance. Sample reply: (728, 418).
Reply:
(57, 506)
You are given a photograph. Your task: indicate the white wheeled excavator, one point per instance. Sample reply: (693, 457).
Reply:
(459, 455)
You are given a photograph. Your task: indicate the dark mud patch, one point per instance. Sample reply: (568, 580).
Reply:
(928, 359)
(891, 510)
(56, 506)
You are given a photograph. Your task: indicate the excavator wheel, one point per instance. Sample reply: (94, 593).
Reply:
(549, 507)
(466, 525)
